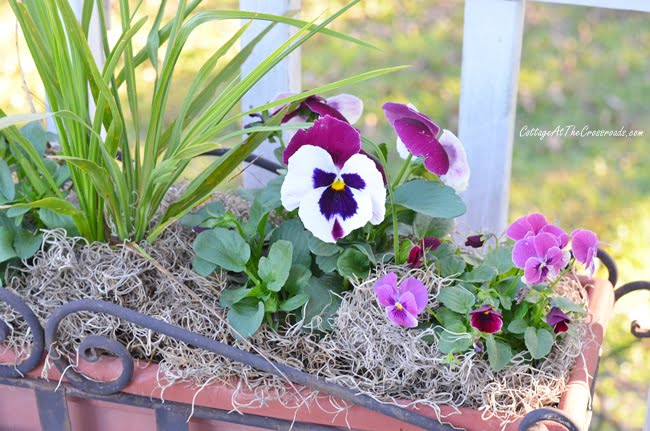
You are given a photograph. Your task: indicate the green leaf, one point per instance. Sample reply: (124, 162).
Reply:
(53, 220)
(7, 186)
(230, 297)
(322, 248)
(448, 317)
(294, 302)
(299, 277)
(450, 264)
(480, 274)
(429, 198)
(353, 262)
(323, 301)
(457, 299)
(223, 247)
(209, 210)
(518, 326)
(36, 135)
(454, 338)
(6, 244)
(245, 318)
(521, 311)
(499, 353)
(294, 232)
(27, 244)
(274, 269)
(538, 342)
(425, 226)
(202, 266)
(567, 305)
(327, 263)
(501, 259)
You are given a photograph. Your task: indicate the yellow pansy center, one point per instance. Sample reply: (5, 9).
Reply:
(486, 312)
(338, 185)
(399, 306)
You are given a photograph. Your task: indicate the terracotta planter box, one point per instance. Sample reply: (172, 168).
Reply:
(18, 405)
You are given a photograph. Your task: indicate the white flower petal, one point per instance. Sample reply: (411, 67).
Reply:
(351, 107)
(312, 218)
(300, 171)
(458, 174)
(363, 166)
(401, 149)
(364, 212)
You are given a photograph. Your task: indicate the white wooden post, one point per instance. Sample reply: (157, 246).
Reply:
(492, 39)
(634, 5)
(286, 76)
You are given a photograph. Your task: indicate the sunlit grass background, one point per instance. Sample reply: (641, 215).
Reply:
(581, 66)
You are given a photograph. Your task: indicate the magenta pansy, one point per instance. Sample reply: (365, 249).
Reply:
(404, 303)
(558, 320)
(540, 257)
(584, 245)
(486, 319)
(533, 224)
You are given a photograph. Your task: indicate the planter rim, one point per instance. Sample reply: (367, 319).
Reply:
(574, 402)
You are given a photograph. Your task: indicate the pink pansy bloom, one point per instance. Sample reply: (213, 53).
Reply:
(418, 135)
(533, 224)
(417, 252)
(558, 320)
(404, 303)
(344, 107)
(486, 319)
(540, 256)
(584, 244)
(335, 189)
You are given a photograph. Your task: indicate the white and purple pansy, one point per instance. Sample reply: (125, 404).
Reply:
(418, 135)
(335, 188)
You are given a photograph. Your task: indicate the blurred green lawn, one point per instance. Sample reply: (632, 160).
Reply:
(580, 66)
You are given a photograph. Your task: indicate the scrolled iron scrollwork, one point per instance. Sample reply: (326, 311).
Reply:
(625, 289)
(92, 343)
(547, 415)
(16, 303)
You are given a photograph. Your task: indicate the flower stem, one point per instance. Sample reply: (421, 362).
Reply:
(395, 223)
(406, 164)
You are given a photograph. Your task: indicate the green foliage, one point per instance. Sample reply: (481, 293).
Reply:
(429, 198)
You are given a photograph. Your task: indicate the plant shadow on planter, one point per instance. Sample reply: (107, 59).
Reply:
(144, 383)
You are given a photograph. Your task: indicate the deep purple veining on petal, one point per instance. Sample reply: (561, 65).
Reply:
(337, 137)
(404, 304)
(420, 142)
(337, 230)
(539, 256)
(486, 319)
(396, 111)
(338, 202)
(354, 181)
(322, 178)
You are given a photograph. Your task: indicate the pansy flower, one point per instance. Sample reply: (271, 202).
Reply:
(533, 224)
(344, 107)
(418, 135)
(584, 244)
(475, 241)
(540, 256)
(486, 319)
(335, 189)
(404, 303)
(558, 320)
(417, 251)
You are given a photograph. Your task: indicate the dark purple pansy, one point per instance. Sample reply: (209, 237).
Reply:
(419, 135)
(475, 241)
(402, 304)
(417, 252)
(486, 319)
(584, 245)
(540, 256)
(558, 320)
(533, 224)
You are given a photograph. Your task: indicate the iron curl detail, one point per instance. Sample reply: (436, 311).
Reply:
(547, 415)
(19, 370)
(91, 343)
(625, 289)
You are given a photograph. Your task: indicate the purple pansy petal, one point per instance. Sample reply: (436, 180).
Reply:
(320, 178)
(401, 317)
(418, 290)
(523, 250)
(457, 176)
(558, 233)
(396, 111)
(537, 221)
(351, 107)
(365, 168)
(543, 243)
(486, 319)
(407, 300)
(558, 320)
(431, 243)
(386, 294)
(389, 279)
(415, 257)
(584, 245)
(337, 203)
(354, 181)
(525, 225)
(534, 273)
(420, 142)
(320, 106)
(300, 174)
(556, 260)
(281, 96)
(337, 137)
